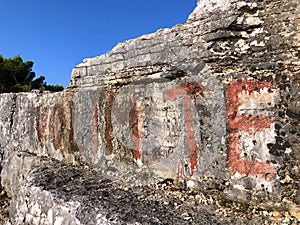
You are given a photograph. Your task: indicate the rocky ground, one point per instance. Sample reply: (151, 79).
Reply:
(166, 202)
(4, 202)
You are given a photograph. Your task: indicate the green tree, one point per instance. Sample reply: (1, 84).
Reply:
(17, 76)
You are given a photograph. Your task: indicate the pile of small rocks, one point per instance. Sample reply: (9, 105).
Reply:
(4, 202)
(95, 196)
(225, 210)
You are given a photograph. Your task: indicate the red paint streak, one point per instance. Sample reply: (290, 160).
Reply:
(57, 114)
(41, 128)
(190, 134)
(186, 91)
(71, 143)
(133, 117)
(189, 88)
(249, 124)
(249, 168)
(237, 123)
(95, 130)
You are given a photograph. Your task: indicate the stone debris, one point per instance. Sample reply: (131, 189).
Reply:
(59, 193)
(211, 105)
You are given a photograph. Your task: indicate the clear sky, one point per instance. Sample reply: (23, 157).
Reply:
(58, 34)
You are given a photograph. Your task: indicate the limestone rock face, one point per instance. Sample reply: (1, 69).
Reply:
(214, 100)
(52, 192)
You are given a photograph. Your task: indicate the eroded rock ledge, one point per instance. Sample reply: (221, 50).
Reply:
(57, 193)
(52, 192)
(213, 102)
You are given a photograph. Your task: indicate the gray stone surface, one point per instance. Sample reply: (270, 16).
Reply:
(213, 101)
(50, 192)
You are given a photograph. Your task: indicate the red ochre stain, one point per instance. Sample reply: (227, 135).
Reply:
(191, 143)
(188, 88)
(72, 145)
(133, 117)
(57, 114)
(239, 123)
(187, 91)
(41, 124)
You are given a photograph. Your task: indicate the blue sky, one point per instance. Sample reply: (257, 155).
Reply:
(58, 34)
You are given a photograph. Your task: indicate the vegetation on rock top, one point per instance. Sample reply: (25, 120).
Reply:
(17, 76)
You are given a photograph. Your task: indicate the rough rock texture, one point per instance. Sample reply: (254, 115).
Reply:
(52, 192)
(214, 101)
(55, 193)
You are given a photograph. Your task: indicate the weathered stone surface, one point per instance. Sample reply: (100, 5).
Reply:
(38, 123)
(214, 100)
(51, 192)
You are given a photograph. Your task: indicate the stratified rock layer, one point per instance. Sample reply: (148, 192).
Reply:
(214, 101)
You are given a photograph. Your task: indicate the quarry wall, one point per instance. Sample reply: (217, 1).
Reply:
(214, 101)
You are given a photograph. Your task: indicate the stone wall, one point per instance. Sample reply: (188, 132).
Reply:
(214, 101)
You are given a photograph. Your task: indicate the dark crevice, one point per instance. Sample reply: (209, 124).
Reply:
(175, 74)
(222, 38)
(242, 27)
(72, 145)
(248, 9)
(13, 110)
(151, 81)
(228, 35)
